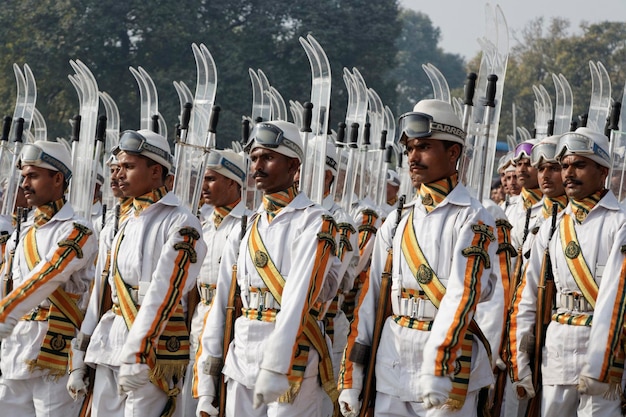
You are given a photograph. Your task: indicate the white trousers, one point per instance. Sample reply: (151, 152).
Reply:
(388, 406)
(37, 397)
(186, 404)
(564, 400)
(512, 406)
(308, 402)
(147, 401)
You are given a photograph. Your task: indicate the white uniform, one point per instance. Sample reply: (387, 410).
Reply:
(517, 217)
(405, 353)
(215, 239)
(568, 350)
(25, 391)
(291, 241)
(160, 253)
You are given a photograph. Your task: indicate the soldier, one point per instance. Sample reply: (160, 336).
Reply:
(52, 273)
(140, 347)
(279, 354)
(543, 159)
(586, 257)
(429, 356)
(221, 189)
(530, 195)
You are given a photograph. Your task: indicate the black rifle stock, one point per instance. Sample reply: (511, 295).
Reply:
(8, 273)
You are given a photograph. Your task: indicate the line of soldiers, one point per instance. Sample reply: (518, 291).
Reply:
(288, 317)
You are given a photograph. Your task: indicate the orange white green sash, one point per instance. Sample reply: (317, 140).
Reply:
(576, 261)
(311, 334)
(435, 290)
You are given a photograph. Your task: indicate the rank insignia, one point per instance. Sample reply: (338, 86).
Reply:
(581, 215)
(57, 343)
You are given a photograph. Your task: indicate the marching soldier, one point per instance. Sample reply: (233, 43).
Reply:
(431, 359)
(221, 189)
(586, 257)
(51, 275)
(279, 354)
(543, 159)
(140, 347)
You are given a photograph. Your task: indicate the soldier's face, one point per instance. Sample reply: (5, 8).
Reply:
(513, 186)
(272, 171)
(550, 182)
(218, 190)
(430, 161)
(581, 176)
(41, 185)
(117, 193)
(526, 174)
(135, 178)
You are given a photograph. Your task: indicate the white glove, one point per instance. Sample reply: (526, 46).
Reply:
(435, 390)
(132, 377)
(268, 387)
(524, 388)
(591, 386)
(7, 327)
(205, 405)
(349, 402)
(77, 383)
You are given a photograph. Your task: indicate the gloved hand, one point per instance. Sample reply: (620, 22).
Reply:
(77, 383)
(205, 405)
(349, 403)
(435, 390)
(268, 387)
(500, 364)
(132, 377)
(591, 386)
(524, 388)
(7, 327)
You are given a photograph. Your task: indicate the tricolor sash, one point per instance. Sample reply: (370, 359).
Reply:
(63, 317)
(169, 357)
(311, 334)
(435, 290)
(576, 261)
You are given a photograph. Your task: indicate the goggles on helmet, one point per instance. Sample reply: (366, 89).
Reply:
(270, 136)
(136, 143)
(523, 150)
(422, 125)
(216, 161)
(543, 152)
(33, 155)
(580, 145)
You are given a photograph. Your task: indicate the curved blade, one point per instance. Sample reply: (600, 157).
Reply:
(390, 126)
(296, 112)
(145, 120)
(40, 130)
(278, 103)
(265, 88)
(153, 96)
(257, 95)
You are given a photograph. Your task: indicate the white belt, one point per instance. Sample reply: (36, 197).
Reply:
(417, 308)
(574, 302)
(138, 293)
(262, 300)
(207, 292)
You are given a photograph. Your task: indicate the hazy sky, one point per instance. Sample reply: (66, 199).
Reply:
(462, 21)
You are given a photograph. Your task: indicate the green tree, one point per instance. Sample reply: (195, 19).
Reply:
(545, 48)
(417, 45)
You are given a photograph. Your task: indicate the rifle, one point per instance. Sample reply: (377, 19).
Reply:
(500, 385)
(382, 312)
(546, 292)
(233, 310)
(8, 274)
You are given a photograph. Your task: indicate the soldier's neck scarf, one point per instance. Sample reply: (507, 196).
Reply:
(220, 212)
(44, 213)
(143, 202)
(434, 193)
(393, 200)
(275, 202)
(126, 205)
(548, 203)
(581, 208)
(530, 197)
